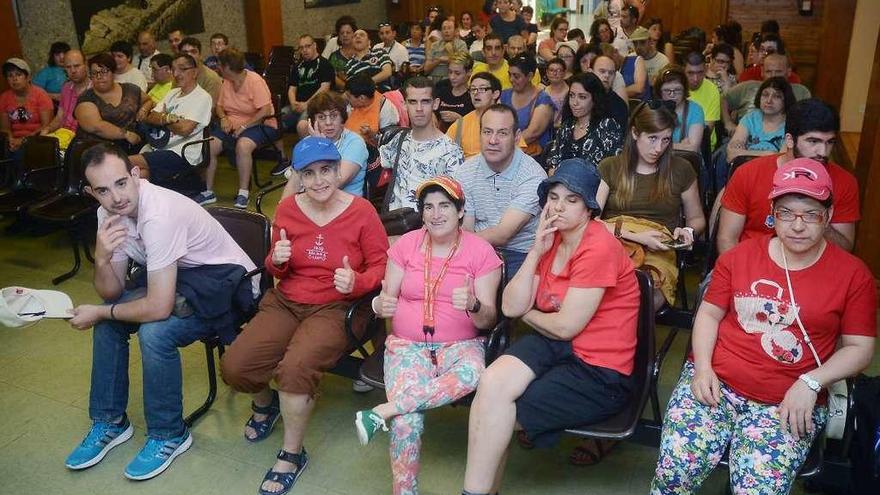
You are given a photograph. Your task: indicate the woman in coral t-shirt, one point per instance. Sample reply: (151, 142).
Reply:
(577, 289)
(765, 344)
(435, 355)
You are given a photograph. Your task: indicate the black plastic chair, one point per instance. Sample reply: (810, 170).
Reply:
(253, 234)
(39, 175)
(646, 371)
(72, 209)
(188, 181)
(269, 151)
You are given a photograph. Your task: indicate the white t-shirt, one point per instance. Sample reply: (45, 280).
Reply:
(195, 106)
(397, 53)
(171, 228)
(331, 46)
(133, 76)
(142, 64)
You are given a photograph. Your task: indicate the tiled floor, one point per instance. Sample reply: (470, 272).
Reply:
(44, 385)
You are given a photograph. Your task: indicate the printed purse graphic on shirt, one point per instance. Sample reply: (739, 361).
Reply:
(769, 316)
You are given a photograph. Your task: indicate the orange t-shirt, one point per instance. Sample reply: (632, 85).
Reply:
(241, 106)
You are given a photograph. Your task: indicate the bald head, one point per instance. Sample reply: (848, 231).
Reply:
(605, 69)
(75, 66)
(146, 43)
(775, 65)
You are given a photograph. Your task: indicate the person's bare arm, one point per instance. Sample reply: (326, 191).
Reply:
(90, 120)
(545, 52)
(155, 306)
(431, 63)
(842, 234)
(693, 140)
(511, 222)
(640, 78)
(578, 308)
(541, 117)
(385, 74)
(54, 124)
(730, 227)
(347, 171)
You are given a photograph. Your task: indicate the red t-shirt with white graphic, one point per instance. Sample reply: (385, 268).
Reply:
(317, 251)
(609, 338)
(748, 193)
(760, 350)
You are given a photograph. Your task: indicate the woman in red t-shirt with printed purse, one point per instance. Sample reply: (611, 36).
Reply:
(784, 317)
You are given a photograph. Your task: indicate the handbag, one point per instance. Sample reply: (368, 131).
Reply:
(838, 392)
(400, 220)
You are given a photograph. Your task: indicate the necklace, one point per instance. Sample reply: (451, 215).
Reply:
(430, 291)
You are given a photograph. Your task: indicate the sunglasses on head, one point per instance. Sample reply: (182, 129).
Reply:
(384, 24)
(656, 105)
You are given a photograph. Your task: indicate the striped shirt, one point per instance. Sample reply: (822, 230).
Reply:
(489, 194)
(371, 64)
(416, 53)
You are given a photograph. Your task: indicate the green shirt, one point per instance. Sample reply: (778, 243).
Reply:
(159, 91)
(709, 98)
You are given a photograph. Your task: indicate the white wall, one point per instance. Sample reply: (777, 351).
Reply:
(858, 67)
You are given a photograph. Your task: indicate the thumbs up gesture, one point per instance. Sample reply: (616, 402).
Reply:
(463, 298)
(384, 305)
(343, 278)
(281, 251)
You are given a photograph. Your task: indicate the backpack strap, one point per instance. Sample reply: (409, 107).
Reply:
(402, 134)
(459, 124)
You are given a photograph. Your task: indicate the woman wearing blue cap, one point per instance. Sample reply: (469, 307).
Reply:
(329, 248)
(577, 289)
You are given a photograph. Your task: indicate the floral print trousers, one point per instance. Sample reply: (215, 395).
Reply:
(413, 384)
(764, 459)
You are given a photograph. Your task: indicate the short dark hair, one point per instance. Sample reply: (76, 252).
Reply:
(163, 59)
(55, 49)
(774, 38)
(723, 48)
(493, 81)
(360, 85)
(574, 34)
(231, 58)
(633, 12)
(193, 42)
(525, 63)
(528, 8)
(343, 21)
(492, 36)
(556, 22)
(811, 115)
(770, 26)
(501, 108)
(123, 47)
(103, 59)
(594, 29)
(96, 155)
(327, 101)
(419, 82)
(694, 58)
(186, 56)
(582, 52)
(420, 201)
(220, 36)
(780, 84)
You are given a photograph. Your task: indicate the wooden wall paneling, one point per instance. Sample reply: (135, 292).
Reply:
(10, 44)
(679, 15)
(263, 21)
(837, 31)
(868, 173)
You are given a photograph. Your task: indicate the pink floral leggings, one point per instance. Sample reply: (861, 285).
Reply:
(413, 385)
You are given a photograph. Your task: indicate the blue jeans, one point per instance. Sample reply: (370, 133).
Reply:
(512, 261)
(163, 395)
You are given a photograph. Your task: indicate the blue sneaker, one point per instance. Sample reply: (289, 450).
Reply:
(156, 456)
(100, 439)
(241, 202)
(205, 198)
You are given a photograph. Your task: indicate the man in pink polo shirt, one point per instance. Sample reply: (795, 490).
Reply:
(194, 277)
(811, 128)
(64, 125)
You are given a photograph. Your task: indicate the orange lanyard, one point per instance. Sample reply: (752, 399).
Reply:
(431, 288)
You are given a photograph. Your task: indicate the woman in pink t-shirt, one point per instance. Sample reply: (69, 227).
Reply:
(435, 354)
(577, 289)
(784, 317)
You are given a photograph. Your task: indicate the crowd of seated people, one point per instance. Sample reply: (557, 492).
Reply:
(541, 172)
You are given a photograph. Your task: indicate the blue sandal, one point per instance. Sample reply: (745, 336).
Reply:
(264, 428)
(286, 480)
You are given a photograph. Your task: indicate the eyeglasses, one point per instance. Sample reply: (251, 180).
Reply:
(672, 91)
(555, 70)
(98, 73)
(479, 89)
(785, 215)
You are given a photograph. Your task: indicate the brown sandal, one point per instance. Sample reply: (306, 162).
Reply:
(524, 441)
(591, 452)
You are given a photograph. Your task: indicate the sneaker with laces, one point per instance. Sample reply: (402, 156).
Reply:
(205, 198)
(241, 202)
(280, 168)
(101, 438)
(156, 456)
(367, 424)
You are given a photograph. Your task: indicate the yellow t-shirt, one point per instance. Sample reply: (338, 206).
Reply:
(159, 91)
(470, 135)
(501, 73)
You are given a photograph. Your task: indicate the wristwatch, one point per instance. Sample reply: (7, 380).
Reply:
(813, 384)
(477, 306)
